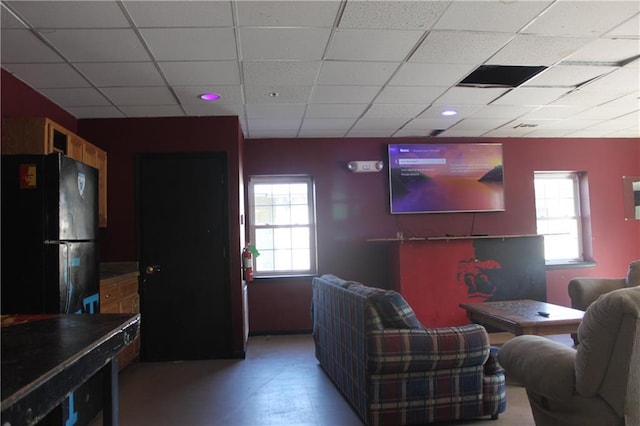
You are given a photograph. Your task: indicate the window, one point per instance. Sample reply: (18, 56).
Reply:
(559, 215)
(282, 225)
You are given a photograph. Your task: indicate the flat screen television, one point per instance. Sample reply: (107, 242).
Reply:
(441, 178)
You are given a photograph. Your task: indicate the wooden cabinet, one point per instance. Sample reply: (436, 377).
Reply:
(95, 157)
(40, 135)
(119, 295)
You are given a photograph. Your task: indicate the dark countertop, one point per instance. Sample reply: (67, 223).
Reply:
(118, 270)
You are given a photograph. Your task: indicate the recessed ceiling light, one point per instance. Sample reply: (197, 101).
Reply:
(209, 96)
(449, 112)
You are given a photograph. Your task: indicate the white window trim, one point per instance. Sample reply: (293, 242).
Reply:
(577, 215)
(281, 179)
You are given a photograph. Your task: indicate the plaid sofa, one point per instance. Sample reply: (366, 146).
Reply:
(394, 371)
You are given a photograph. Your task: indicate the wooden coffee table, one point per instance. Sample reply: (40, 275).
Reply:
(524, 316)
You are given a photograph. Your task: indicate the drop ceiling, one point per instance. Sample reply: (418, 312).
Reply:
(299, 69)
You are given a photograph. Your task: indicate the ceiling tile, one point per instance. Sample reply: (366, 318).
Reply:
(20, 46)
(406, 111)
(567, 76)
(409, 94)
(286, 94)
(629, 28)
(531, 96)
(370, 133)
(630, 102)
(464, 47)
(283, 43)
(587, 17)
(428, 124)
(606, 50)
(71, 14)
(498, 16)
(509, 132)
(263, 73)
(469, 96)
(480, 123)
(588, 96)
(416, 15)
(270, 133)
(460, 133)
(152, 111)
(140, 95)
(121, 74)
(190, 44)
(418, 74)
(72, 97)
(215, 109)
(343, 94)
(98, 45)
(553, 112)
(47, 75)
(372, 45)
(328, 123)
(502, 111)
(287, 13)
(602, 112)
(188, 95)
(623, 79)
(9, 21)
(355, 73)
(295, 111)
(537, 50)
(273, 124)
(435, 111)
(334, 110)
(379, 123)
(392, 65)
(147, 14)
(573, 124)
(95, 112)
(321, 133)
(407, 133)
(199, 73)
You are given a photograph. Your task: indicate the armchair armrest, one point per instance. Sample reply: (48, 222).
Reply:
(584, 291)
(541, 365)
(424, 349)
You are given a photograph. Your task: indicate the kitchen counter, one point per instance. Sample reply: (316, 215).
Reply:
(113, 271)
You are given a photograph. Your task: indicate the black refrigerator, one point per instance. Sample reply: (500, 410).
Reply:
(49, 254)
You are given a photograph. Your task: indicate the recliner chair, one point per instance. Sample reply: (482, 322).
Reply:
(584, 291)
(597, 384)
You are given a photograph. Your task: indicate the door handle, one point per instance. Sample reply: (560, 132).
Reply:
(152, 269)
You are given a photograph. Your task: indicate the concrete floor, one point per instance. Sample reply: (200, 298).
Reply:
(279, 384)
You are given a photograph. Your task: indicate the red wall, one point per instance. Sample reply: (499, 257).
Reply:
(352, 208)
(20, 100)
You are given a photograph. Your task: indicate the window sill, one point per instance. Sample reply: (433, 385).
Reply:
(570, 265)
(262, 280)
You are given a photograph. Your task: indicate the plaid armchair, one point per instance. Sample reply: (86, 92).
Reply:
(393, 370)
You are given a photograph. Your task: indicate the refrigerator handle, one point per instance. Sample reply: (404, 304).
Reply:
(68, 285)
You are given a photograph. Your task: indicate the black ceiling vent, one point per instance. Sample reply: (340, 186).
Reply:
(500, 76)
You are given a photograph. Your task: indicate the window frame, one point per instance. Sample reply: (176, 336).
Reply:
(311, 225)
(580, 216)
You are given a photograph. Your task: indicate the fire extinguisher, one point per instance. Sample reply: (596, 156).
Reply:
(247, 264)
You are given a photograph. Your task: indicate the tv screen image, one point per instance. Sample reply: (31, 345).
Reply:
(440, 178)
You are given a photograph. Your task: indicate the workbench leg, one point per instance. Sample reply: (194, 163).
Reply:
(110, 402)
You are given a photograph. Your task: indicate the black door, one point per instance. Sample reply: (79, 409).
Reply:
(183, 242)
